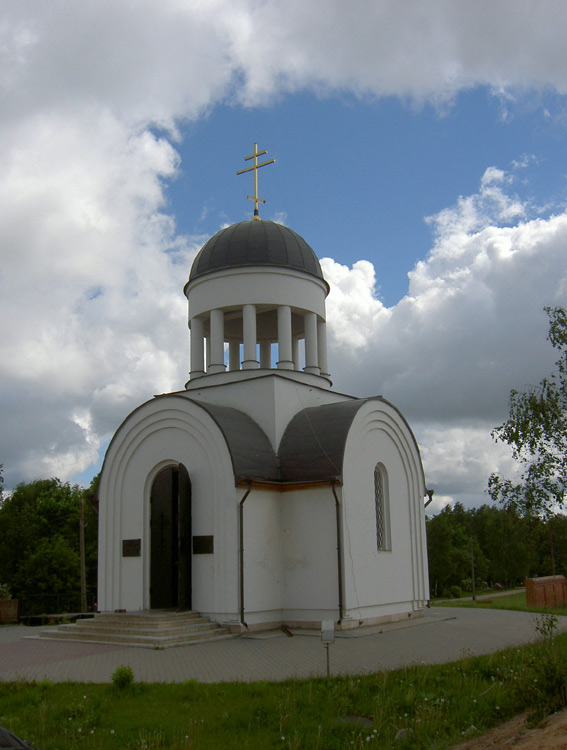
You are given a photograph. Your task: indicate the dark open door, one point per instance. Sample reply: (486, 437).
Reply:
(170, 539)
(184, 526)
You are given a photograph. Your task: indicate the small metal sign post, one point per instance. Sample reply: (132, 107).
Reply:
(327, 637)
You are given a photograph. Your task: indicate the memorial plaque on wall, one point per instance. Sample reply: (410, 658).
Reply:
(131, 547)
(203, 545)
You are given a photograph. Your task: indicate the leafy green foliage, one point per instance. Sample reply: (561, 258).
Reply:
(427, 706)
(536, 431)
(39, 544)
(515, 602)
(51, 570)
(554, 552)
(122, 677)
(448, 548)
(544, 680)
(506, 545)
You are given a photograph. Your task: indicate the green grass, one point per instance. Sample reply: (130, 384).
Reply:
(425, 706)
(511, 601)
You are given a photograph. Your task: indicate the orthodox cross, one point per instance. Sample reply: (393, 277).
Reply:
(255, 169)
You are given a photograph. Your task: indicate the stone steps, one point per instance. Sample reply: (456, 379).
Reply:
(154, 629)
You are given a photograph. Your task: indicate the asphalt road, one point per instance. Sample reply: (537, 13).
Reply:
(443, 634)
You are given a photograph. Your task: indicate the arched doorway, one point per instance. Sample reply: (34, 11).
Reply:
(170, 539)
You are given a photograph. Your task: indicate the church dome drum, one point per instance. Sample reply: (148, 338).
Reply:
(257, 286)
(256, 243)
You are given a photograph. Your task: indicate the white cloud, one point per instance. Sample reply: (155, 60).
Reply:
(471, 327)
(354, 314)
(158, 62)
(90, 285)
(430, 49)
(460, 457)
(91, 264)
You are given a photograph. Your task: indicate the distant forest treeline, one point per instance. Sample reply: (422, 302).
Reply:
(40, 562)
(40, 549)
(507, 547)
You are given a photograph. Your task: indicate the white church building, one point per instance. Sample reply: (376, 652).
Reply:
(257, 495)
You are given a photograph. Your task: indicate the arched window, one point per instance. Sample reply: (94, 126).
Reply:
(382, 501)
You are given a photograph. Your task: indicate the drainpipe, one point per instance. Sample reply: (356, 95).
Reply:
(339, 550)
(429, 494)
(241, 561)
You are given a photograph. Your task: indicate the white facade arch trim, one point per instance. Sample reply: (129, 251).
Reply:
(379, 434)
(153, 437)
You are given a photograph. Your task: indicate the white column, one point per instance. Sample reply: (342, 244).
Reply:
(216, 363)
(265, 355)
(197, 348)
(207, 351)
(249, 361)
(311, 358)
(295, 350)
(285, 361)
(234, 355)
(322, 347)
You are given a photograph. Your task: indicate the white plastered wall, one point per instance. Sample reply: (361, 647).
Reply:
(290, 569)
(290, 556)
(309, 534)
(272, 399)
(263, 579)
(168, 431)
(383, 583)
(259, 286)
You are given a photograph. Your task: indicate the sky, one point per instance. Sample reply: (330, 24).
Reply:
(421, 150)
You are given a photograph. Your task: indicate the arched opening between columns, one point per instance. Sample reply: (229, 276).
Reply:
(170, 539)
(258, 337)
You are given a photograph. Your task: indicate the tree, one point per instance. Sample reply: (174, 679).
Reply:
(44, 516)
(508, 546)
(48, 578)
(553, 546)
(536, 431)
(503, 538)
(509, 561)
(448, 549)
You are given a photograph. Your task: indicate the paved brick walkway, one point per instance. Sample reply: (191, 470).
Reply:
(443, 634)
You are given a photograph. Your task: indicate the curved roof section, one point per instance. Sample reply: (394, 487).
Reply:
(313, 445)
(311, 449)
(256, 243)
(250, 450)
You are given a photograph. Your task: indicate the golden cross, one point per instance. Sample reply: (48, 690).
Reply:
(255, 168)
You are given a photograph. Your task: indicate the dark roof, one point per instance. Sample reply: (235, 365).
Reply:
(255, 243)
(311, 449)
(313, 445)
(250, 450)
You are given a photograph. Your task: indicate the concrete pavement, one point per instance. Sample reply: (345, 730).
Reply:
(442, 634)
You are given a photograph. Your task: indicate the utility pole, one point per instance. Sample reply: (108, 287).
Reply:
(82, 555)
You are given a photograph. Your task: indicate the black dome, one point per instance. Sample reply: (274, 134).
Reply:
(255, 243)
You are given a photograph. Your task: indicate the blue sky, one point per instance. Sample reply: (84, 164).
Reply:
(359, 178)
(421, 151)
